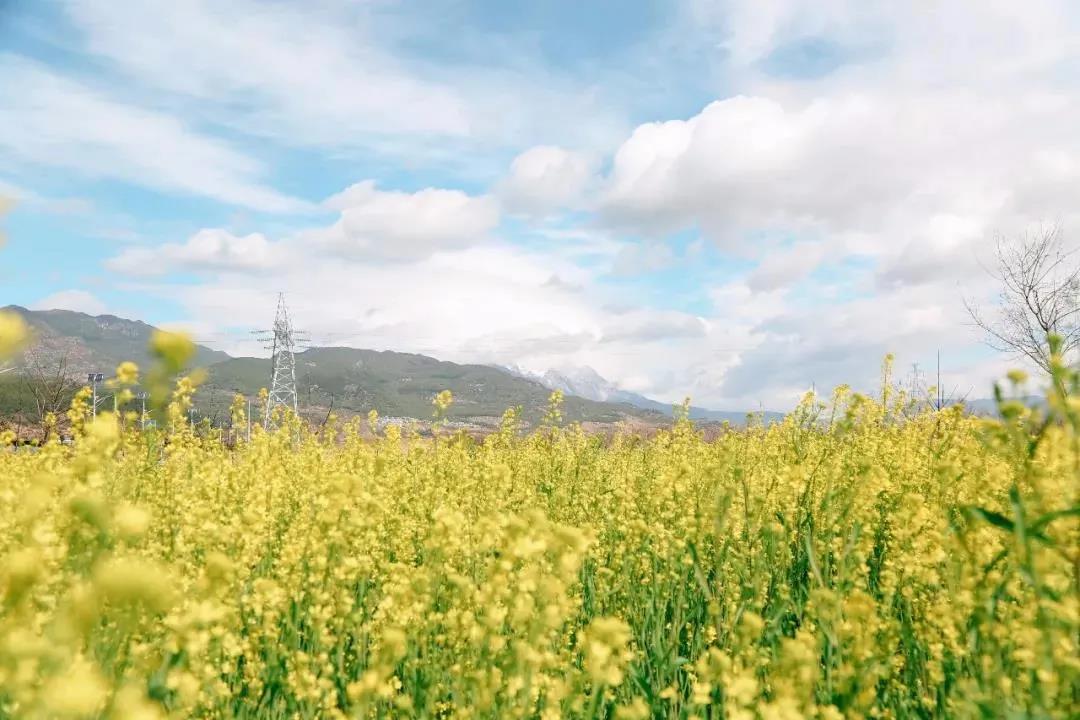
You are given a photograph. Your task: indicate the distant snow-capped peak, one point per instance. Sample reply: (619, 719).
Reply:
(582, 381)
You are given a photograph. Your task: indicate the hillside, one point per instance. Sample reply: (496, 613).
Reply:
(352, 380)
(402, 385)
(96, 343)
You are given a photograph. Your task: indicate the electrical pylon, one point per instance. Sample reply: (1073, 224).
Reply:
(282, 345)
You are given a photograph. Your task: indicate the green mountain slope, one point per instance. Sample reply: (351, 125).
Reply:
(96, 343)
(347, 379)
(403, 384)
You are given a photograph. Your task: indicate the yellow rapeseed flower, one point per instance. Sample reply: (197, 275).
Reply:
(127, 373)
(172, 349)
(79, 692)
(859, 560)
(133, 582)
(605, 647)
(443, 400)
(14, 333)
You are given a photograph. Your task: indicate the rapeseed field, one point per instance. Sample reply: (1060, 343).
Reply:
(863, 558)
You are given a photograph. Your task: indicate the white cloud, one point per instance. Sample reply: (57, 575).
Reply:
(785, 266)
(960, 113)
(646, 326)
(643, 257)
(480, 303)
(12, 194)
(877, 168)
(545, 179)
(844, 342)
(77, 300)
(209, 250)
(49, 120)
(498, 304)
(490, 304)
(892, 171)
(949, 248)
(736, 302)
(404, 226)
(748, 32)
(935, 44)
(887, 172)
(353, 76)
(308, 73)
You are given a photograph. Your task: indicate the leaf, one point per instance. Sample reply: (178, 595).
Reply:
(994, 518)
(997, 558)
(998, 520)
(1014, 496)
(1050, 517)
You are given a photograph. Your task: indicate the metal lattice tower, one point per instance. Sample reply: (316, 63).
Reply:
(282, 342)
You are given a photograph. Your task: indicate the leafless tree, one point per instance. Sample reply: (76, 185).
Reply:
(52, 382)
(1039, 295)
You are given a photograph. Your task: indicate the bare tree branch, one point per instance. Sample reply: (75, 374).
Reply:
(1039, 296)
(51, 383)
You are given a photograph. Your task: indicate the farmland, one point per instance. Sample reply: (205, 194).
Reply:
(863, 558)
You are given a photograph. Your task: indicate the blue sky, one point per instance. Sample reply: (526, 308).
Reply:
(728, 200)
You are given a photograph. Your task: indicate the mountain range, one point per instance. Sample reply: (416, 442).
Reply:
(350, 380)
(585, 382)
(355, 381)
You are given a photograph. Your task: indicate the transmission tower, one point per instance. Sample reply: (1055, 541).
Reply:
(282, 342)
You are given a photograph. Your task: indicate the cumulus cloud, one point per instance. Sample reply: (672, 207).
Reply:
(76, 300)
(949, 248)
(922, 139)
(208, 250)
(404, 226)
(488, 304)
(893, 169)
(861, 166)
(851, 197)
(793, 344)
(474, 304)
(546, 178)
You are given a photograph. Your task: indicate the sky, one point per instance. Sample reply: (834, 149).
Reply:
(730, 200)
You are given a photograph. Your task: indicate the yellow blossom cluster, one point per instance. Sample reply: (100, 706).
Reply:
(13, 333)
(855, 560)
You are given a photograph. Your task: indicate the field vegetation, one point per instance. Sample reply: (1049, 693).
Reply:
(866, 557)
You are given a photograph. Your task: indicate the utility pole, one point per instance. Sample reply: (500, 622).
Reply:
(249, 419)
(142, 410)
(94, 379)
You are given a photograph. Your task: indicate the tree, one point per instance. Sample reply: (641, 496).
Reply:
(51, 382)
(1039, 296)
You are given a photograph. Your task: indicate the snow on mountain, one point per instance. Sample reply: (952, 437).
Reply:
(585, 382)
(580, 381)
